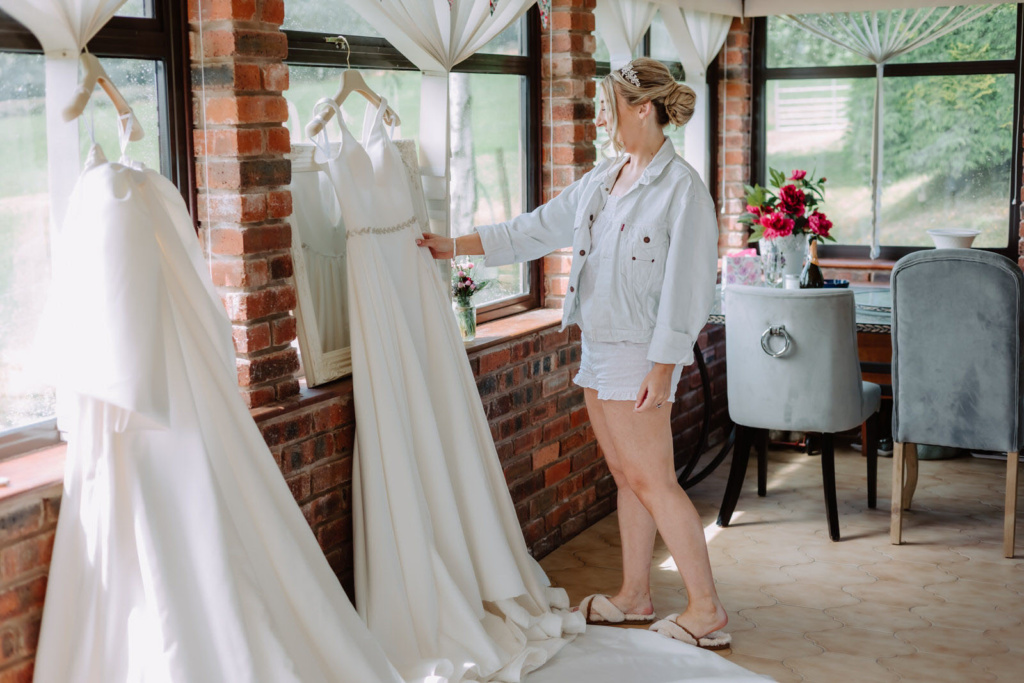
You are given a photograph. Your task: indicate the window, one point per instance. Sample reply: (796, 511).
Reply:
(656, 44)
(143, 51)
(950, 123)
(493, 96)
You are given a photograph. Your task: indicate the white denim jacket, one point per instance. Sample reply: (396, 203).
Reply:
(662, 265)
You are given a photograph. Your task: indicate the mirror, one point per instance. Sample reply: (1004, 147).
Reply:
(319, 260)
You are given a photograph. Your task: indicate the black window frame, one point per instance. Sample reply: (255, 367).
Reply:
(309, 48)
(161, 37)
(761, 74)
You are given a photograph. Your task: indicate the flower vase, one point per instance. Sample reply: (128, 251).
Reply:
(782, 256)
(465, 316)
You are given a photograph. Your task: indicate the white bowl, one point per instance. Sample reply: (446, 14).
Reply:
(953, 238)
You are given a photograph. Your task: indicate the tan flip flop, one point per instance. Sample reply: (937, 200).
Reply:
(599, 610)
(716, 640)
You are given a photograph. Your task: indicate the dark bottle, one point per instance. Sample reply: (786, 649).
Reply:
(811, 277)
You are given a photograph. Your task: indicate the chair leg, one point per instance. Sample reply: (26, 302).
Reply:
(762, 462)
(738, 470)
(896, 516)
(1010, 520)
(910, 458)
(869, 446)
(828, 480)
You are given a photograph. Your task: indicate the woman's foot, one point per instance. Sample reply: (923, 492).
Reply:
(700, 621)
(633, 603)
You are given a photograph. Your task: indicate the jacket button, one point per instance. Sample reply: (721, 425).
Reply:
(591, 217)
(572, 289)
(647, 239)
(634, 258)
(583, 252)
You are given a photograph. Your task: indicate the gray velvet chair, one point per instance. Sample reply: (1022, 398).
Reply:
(956, 365)
(792, 359)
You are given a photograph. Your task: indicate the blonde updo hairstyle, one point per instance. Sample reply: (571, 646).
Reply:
(673, 102)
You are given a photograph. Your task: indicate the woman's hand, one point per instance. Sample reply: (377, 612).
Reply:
(656, 388)
(440, 247)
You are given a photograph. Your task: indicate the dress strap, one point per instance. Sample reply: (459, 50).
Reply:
(322, 140)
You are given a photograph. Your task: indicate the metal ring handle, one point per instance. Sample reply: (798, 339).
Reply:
(779, 331)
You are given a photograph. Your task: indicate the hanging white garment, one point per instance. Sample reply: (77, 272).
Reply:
(180, 554)
(443, 576)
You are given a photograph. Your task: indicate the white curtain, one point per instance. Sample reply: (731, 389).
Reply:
(880, 37)
(622, 24)
(698, 37)
(435, 35)
(63, 27)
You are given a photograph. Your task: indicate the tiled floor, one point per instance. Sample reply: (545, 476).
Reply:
(945, 606)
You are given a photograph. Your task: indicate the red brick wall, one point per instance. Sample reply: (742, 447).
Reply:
(568, 87)
(734, 97)
(27, 525)
(242, 173)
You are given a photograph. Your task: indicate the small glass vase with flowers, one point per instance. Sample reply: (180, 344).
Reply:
(463, 289)
(787, 222)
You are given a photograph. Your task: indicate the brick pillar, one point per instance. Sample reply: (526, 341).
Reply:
(734, 96)
(241, 173)
(567, 68)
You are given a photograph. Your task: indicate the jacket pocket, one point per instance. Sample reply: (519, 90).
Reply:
(646, 251)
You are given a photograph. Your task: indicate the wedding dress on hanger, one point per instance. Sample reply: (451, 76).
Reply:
(180, 555)
(443, 575)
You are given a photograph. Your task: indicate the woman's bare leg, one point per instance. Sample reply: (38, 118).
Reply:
(642, 443)
(636, 526)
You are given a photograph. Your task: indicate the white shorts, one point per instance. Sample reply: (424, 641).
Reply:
(616, 369)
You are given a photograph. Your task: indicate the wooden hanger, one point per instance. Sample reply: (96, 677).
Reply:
(96, 74)
(351, 81)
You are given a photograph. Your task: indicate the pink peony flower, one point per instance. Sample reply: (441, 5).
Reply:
(469, 265)
(798, 175)
(756, 210)
(776, 225)
(792, 200)
(819, 224)
(473, 287)
(462, 273)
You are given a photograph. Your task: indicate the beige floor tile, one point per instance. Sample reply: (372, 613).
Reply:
(974, 592)
(993, 552)
(893, 593)
(833, 666)
(766, 667)
(767, 555)
(814, 595)
(979, 617)
(738, 622)
(988, 571)
(1011, 636)
(736, 597)
(951, 641)
(790, 618)
(941, 554)
(751, 575)
(561, 560)
(845, 552)
(769, 644)
(860, 642)
(829, 574)
(926, 667)
(1008, 666)
(877, 617)
(914, 573)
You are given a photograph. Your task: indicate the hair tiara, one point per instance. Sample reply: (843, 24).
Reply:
(630, 75)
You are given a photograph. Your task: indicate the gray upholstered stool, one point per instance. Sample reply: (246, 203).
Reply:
(792, 359)
(957, 317)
